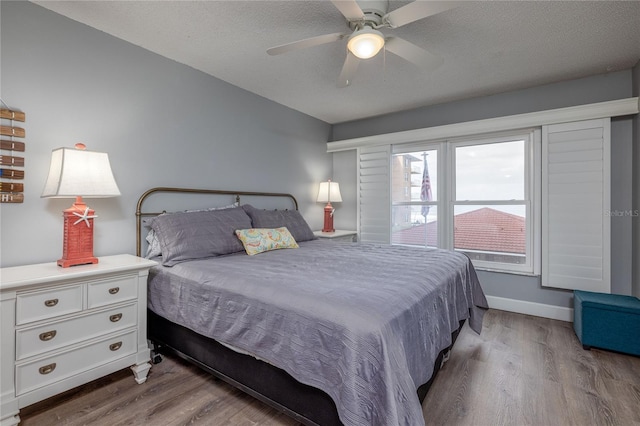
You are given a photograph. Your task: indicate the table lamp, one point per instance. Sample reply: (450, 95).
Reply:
(77, 173)
(328, 192)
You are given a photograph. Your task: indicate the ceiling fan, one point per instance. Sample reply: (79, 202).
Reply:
(365, 18)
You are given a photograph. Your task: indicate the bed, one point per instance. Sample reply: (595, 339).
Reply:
(328, 333)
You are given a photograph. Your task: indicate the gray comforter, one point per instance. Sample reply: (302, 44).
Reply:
(362, 322)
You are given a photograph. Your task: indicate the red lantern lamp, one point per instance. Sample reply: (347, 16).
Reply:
(75, 173)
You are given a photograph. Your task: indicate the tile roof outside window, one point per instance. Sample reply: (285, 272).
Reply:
(484, 229)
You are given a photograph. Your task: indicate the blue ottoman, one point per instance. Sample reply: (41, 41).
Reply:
(607, 321)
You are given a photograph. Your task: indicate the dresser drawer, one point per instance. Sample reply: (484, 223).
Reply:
(55, 335)
(37, 374)
(117, 289)
(49, 303)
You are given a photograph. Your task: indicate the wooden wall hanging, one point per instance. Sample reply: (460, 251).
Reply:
(12, 191)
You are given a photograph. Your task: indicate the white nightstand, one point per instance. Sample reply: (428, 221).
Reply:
(338, 235)
(63, 327)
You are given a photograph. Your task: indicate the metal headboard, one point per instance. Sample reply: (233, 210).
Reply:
(140, 214)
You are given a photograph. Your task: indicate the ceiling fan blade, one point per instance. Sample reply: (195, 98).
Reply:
(348, 70)
(350, 9)
(419, 9)
(308, 42)
(412, 53)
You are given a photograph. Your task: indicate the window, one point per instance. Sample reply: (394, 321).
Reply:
(475, 196)
(554, 189)
(418, 204)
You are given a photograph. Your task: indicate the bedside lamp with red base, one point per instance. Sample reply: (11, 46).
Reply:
(75, 173)
(328, 192)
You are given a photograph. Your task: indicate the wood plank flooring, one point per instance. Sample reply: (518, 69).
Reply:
(522, 370)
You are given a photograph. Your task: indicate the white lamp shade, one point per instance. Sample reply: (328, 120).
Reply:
(75, 172)
(366, 43)
(329, 192)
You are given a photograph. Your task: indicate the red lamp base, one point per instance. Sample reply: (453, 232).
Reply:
(328, 218)
(77, 245)
(65, 263)
(74, 262)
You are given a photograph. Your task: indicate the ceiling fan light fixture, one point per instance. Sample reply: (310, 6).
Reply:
(365, 43)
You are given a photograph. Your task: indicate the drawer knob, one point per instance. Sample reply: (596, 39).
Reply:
(115, 346)
(114, 290)
(48, 335)
(50, 303)
(115, 318)
(47, 368)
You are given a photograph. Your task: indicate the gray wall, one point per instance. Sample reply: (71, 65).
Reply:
(345, 174)
(597, 88)
(162, 123)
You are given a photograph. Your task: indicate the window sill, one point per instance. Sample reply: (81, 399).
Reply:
(502, 271)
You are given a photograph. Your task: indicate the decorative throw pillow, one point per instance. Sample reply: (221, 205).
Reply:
(199, 235)
(290, 219)
(258, 240)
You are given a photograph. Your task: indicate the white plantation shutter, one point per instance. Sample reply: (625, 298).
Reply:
(374, 206)
(575, 205)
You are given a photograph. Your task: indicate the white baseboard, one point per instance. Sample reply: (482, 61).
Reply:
(531, 308)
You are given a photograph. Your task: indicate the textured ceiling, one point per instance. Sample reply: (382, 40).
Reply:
(487, 47)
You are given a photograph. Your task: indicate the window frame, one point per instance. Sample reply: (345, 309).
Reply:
(445, 202)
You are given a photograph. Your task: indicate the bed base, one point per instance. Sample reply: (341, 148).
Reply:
(271, 385)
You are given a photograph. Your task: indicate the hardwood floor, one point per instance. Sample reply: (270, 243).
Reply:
(522, 370)
(526, 370)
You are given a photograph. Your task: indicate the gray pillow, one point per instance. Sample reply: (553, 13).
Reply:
(153, 247)
(291, 219)
(199, 235)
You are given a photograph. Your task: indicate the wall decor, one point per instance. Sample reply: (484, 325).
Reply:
(11, 192)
